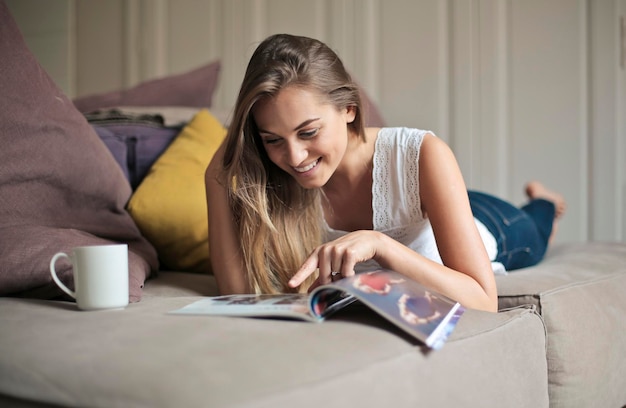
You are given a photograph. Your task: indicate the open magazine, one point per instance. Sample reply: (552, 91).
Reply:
(426, 315)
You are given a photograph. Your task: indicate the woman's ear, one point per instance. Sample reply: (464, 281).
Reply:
(350, 114)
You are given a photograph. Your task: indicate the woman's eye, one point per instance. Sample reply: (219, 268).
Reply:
(271, 141)
(309, 133)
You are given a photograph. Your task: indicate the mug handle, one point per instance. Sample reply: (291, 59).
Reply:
(53, 272)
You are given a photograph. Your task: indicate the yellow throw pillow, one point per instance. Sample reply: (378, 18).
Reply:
(169, 206)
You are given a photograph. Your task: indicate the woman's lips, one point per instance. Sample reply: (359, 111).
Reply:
(306, 168)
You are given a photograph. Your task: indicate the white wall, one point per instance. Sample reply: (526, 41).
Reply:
(521, 90)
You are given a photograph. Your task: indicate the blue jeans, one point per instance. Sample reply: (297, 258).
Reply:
(521, 233)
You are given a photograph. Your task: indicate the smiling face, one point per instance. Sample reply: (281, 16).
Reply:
(303, 134)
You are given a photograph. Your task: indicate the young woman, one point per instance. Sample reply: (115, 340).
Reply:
(301, 193)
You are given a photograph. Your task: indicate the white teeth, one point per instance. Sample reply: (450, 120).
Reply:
(306, 168)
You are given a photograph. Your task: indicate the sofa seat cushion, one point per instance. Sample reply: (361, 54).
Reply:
(579, 291)
(143, 356)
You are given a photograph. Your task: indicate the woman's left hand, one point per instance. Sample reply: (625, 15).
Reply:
(338, 257)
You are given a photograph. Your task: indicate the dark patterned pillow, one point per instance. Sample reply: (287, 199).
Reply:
(135, 140)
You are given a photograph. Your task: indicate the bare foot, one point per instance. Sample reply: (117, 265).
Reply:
(535, 189)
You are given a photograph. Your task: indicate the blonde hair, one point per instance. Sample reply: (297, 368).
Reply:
(279, 222)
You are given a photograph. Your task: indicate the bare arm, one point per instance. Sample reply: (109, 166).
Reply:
(224, 247)
(466, 273)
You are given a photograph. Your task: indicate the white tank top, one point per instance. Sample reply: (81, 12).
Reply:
(396, 205)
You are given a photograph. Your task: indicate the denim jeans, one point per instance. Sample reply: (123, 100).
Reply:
(521, 233)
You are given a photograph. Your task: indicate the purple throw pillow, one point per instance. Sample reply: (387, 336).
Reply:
(194, 88)
(59, 185)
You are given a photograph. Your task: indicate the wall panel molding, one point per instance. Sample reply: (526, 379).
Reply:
(145, 47)
(619, 48)
(474, 91)
(367, 44)
(585, 133)
(491, 102)
(465, 87)
(320, 20)
(501, 113)
(154, 34)
(70, 75)
(606, 138)
(444, 35)
(132, 38)
(519, 89)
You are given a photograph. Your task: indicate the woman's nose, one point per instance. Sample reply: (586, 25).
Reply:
(296, 153)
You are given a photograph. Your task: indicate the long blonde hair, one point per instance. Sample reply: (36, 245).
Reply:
(279, 222)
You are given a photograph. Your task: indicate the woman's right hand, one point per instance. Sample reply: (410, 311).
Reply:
(338, 258)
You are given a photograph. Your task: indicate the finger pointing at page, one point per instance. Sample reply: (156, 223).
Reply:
(308, 267)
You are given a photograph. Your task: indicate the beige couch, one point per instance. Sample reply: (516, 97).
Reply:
(557, 342)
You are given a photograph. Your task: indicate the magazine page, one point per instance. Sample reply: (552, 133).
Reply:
(439, 339)
(428, 316)
(291, 306)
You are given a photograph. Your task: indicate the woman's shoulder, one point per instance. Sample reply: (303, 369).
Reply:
(402, 131)
(401, 136)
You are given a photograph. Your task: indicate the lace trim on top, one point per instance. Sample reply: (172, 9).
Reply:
(396, 200)
(396, 203)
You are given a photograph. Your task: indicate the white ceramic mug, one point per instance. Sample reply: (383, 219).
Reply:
(100, 276)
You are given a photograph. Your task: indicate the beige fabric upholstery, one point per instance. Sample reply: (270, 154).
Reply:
(144, 357)
(579, 292)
